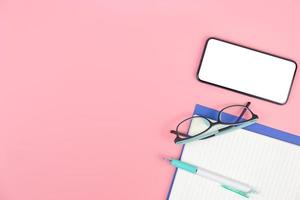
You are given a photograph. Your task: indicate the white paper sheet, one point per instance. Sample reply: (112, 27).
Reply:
(270, 165)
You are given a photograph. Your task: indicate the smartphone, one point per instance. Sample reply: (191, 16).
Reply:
(247, 71)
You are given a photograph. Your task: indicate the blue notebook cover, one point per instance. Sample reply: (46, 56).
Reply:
(255, 128)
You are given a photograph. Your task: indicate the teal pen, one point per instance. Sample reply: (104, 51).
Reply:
(227, 183)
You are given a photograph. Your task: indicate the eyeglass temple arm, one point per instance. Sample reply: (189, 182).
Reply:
(243, 112)
(179, 133)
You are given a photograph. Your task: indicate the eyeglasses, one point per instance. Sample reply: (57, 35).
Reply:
(200, 128)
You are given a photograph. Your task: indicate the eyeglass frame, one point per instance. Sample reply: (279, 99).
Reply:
(231, 127)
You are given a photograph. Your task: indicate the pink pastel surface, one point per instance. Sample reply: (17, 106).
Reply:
(90, 88)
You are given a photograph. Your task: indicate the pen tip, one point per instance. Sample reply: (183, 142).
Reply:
(166, 159)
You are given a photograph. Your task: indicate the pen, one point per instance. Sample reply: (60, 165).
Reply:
(227, 183)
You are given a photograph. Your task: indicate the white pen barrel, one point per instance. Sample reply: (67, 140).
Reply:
(223, 180)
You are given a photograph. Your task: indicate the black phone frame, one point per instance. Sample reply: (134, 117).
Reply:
(251, 95)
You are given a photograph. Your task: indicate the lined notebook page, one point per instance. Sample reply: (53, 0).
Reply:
(271, 166)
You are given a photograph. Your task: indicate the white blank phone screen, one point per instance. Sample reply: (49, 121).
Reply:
(248, 71)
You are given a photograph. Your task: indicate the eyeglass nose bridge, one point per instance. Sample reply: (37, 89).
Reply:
(212, 123)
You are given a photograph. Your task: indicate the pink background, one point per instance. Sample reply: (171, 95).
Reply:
(90, 88)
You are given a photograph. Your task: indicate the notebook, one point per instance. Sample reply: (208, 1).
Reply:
(265, 158)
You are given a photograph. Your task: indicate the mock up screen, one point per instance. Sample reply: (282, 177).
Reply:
(247, 71)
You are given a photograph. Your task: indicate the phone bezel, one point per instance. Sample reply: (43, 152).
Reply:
(241, 92)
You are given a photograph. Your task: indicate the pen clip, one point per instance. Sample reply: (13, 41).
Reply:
(244, 194)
